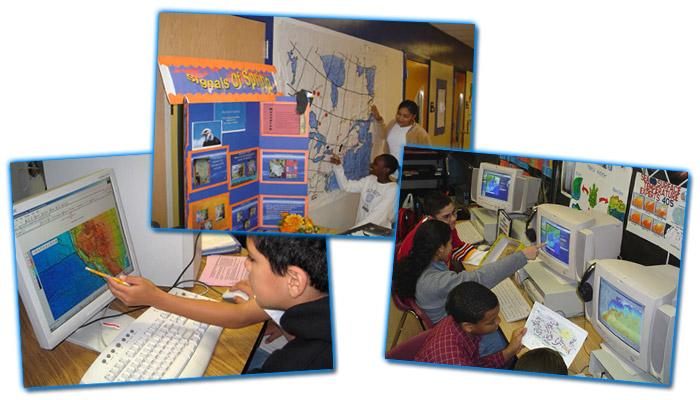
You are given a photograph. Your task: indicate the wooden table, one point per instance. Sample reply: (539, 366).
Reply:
(68, 362)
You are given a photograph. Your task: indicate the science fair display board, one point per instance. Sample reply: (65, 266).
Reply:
(245, 147)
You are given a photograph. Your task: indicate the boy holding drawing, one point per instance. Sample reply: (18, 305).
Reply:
(473, 312)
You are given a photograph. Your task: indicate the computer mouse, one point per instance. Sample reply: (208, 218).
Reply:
(230, 294)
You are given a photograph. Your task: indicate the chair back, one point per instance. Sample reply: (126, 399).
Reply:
(400, 303)
(420, 313)
(407, 350)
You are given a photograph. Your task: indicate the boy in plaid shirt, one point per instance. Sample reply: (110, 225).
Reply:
(472, 312)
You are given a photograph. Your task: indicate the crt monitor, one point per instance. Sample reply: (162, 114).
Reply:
(574, 237)
(57, 234)
(633, 311)
(497, 187)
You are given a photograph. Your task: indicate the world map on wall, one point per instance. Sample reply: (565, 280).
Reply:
(346, 76)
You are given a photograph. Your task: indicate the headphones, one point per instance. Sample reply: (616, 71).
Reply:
(584, 289)
(530, 233)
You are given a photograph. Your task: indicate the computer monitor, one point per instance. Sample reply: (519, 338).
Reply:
(575, 237)
(633, 311)
(496, 187)
(57, 234)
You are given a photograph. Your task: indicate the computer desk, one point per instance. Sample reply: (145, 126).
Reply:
(592, 342)
(67, 363)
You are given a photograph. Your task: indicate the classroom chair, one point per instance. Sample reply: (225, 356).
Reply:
(408, 349)
(408, 306)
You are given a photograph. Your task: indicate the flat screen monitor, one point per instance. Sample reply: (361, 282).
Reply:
(57, 234)
(633, 311)
(575, 237)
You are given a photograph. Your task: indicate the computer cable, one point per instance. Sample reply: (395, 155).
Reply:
(194, 255)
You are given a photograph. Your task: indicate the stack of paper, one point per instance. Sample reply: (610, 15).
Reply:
(219, 243)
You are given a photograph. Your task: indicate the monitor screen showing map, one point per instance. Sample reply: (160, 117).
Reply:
(57, 236)
(620, 314)
(495, 185)
(557, 238)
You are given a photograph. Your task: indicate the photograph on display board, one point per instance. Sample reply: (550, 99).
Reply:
(584, 285)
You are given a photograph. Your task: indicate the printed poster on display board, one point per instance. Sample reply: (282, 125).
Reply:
(246, 148)
(599, 187)
(657, 212)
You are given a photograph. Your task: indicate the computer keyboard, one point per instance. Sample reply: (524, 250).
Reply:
(468, 233)
(514, 307)
(157, 345)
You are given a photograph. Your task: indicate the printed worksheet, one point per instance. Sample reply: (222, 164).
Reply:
(546, 328)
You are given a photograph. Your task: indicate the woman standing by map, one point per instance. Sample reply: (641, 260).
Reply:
(404, 129)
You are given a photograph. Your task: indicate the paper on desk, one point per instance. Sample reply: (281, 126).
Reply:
(224, 270)
(546, 328)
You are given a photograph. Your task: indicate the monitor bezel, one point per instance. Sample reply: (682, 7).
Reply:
(47, 338)
(651, 289)
(568, 218)
(489, 202)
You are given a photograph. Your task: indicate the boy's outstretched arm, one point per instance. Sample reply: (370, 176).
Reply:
(224, 314)
(343, 182)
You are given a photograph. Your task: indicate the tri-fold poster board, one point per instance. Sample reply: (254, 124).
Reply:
(245, 147)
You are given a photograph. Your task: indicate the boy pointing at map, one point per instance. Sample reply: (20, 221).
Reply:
(378, 192)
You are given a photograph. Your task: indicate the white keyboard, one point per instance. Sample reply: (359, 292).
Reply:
(468, 233)
(157, 345)
(514, 307)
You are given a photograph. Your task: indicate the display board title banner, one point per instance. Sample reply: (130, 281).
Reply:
(202, 80)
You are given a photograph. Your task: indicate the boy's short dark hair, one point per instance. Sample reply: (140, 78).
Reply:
(434, 201)
(308, 254)
(469, 302)
(543, 360)
(389, 162)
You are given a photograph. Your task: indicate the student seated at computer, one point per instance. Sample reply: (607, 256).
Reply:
(473, 313)
(543, 360)
(423, 274)
(287, 274)
(437, 205)
(378, 192)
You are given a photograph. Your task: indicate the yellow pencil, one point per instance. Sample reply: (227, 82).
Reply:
(105, 276)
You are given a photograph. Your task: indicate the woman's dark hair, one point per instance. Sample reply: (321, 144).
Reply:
(430, 235)
(411, 106)
(308, 254)
(543, 360)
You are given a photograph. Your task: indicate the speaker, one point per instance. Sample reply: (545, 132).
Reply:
(661, 348)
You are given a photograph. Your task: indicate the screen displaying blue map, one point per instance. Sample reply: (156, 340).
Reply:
(495, 185)
(557, 238)
(62, 274)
